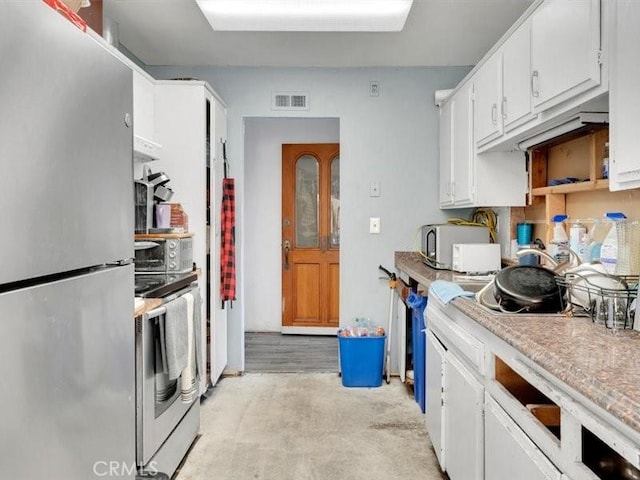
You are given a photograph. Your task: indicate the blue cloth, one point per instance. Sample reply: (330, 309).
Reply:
(447, 291)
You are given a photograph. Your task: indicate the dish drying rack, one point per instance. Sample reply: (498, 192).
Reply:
(609, 300)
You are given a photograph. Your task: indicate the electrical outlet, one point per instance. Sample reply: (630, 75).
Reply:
(374, 225)
(374, 189)
(374, 89)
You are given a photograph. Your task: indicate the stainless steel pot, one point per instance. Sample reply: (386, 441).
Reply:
(158, 178)
(162, 193)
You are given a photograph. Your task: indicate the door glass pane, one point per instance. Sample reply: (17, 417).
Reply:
(335, 202)
(307, 181)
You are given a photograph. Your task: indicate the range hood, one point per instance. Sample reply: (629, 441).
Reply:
(575, 122)
(145, 150)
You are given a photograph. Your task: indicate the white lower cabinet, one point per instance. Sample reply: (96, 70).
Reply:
(435, 408)
(455, 401)
(463, 422)
(509, 453)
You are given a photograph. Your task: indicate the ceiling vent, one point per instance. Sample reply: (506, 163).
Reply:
(290, 101)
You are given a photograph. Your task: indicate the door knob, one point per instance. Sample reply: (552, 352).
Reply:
(286, 245)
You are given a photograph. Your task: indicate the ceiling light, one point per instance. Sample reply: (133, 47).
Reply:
(307, 15)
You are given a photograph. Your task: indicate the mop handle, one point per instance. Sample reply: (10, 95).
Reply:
(392, 276)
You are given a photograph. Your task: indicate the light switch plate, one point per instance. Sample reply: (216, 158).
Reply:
(374, 225)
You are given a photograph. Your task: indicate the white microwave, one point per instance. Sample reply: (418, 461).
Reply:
(438, 240)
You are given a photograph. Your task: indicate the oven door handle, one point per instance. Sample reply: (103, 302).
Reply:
(156, 312)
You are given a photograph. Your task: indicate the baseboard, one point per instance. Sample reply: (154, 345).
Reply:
(309, 330)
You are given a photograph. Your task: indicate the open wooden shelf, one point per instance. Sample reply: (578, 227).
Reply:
(590, 185)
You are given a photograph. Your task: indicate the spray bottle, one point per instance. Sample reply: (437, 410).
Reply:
(609, 250)
(559, 245)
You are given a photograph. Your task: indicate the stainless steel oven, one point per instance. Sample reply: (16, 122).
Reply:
(167, 420)
(164, 254)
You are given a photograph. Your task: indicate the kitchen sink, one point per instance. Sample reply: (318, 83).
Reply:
(472, 283)
(475, 284)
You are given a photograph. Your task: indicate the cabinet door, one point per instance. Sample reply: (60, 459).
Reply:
(463, 421)
(516, 71)
(446, 154)
(624, 96)
(509, 453)
(463, 150)
(487, 88)
(565, 45)
(143, 106)
(435, 408)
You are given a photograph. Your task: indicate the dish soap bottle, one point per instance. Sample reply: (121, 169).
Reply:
(579, 240)
(559, 245)
(609, 249)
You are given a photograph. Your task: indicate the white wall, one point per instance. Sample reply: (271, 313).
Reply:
(392, 138)
(263, 141)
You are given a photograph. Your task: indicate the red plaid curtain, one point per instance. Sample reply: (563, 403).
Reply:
(228, 243)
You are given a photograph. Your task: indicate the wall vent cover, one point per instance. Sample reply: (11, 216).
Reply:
(290, 101)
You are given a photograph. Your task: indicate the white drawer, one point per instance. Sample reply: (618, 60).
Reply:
(453, 336)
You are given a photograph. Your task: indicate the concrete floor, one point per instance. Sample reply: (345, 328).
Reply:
(308, 426)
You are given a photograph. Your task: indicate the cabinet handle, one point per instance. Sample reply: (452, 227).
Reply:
(534, 84)
(504, 108)
(494, 113)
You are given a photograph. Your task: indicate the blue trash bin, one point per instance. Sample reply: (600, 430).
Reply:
(361, 360)
(418, 303)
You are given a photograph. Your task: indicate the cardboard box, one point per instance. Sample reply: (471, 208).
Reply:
(73, 5)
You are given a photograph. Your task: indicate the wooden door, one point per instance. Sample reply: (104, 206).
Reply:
(310, 235)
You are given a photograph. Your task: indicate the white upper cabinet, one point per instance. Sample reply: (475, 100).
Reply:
(469, 179)
(516, 72)
(624, 96)
(462, 146)
(487, 97)
(456, 151)
(565, 50)
(143, 106)
(446, 155)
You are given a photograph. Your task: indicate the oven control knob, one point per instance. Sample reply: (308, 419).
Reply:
(172, 254)
(173, 244)
(172, 265)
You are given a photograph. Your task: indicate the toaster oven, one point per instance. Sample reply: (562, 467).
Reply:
(164, 254)
(438, 240)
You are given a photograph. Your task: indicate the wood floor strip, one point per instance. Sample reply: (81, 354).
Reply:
(277, 353)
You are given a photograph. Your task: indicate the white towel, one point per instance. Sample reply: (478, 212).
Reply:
(188, 377)
(175, 333)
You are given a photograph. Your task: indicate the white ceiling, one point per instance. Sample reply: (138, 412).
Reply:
(437, 33)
